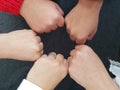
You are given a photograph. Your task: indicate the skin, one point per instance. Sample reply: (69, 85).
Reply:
(44, 16)
(21, 45)
(48, 71)
(86, 68)
(52, 16)
(82, 20)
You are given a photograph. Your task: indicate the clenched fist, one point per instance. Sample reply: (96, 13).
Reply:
(82, 21)
(22, 45)
(48, 71)
(86, 68)
(42, 15)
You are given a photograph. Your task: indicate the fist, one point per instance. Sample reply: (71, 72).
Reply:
(82, 21)
(24, 45)
(42, 15)
(48, 71)
(86, 67)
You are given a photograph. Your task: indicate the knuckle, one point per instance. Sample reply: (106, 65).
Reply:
(84, 51)
(77, 53)
(53, 21)
(85, 48)
(61, 56)
(38, 39)
(56, 16)
(51, 24)
(36, 48)
(31, 32)
(41, 46)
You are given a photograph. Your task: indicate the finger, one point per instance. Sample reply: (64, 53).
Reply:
(68, 30)
(44, 56)
(66, 63)
(69, 61)
(33, 32)
(80, 42)
(47, 29)
(54, 27)
(72, 38)
(60, 58)
(41, 53)
(41, 46)
(77, 47)
(60, 21)
(90, 37)
(72, 53)
(70, 35)
(38, 39)
(52, 55)
(60, 10)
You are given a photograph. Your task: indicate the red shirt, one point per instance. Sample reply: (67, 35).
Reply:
(11, 6)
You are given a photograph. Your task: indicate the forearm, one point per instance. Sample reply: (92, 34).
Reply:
(3, 46)
(91, 3)
(104, 82)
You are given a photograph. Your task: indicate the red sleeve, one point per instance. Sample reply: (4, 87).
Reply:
(11, 6)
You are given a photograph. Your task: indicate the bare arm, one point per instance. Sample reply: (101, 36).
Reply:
(87, 70)
(21, 45)
(3, 53)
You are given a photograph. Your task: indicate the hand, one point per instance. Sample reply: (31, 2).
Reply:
(48, 71)
(42, 15)
(23, 45)
(86, 68)
(82, 21)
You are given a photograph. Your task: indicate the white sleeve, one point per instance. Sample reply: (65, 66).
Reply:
(117, 80)
(27, 85)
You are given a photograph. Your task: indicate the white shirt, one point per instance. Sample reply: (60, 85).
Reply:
(27, 85)
(115, 69)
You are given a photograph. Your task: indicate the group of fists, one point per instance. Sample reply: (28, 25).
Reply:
(45, 15)
(83, 66)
